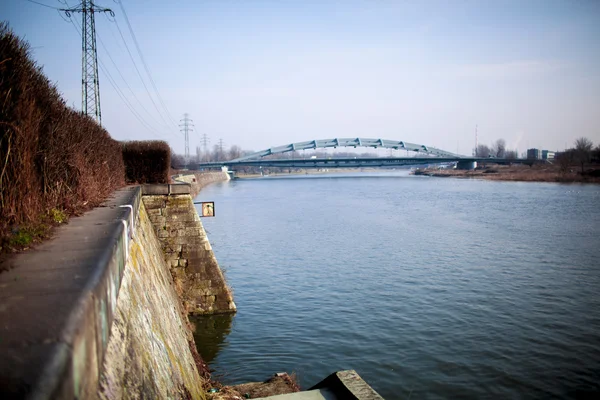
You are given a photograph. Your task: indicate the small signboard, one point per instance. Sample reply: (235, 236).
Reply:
(208, 208)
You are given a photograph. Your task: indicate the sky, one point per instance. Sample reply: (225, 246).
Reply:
(260, 74)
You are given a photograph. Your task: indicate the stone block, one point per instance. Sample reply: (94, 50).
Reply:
(191, 231)
(180, 188)
(158, 220)
(153, 212)
(155, 189)
(162, 233)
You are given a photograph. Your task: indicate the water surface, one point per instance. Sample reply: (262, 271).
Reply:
(428, 287)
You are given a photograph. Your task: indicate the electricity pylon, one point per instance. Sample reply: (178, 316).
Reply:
(186, 126)
(90, 85)
(205, 141)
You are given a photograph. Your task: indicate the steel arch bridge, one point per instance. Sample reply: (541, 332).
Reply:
(347, 142)
(421, 155)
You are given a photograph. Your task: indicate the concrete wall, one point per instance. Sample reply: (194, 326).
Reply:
(196, 273)
(149, 351)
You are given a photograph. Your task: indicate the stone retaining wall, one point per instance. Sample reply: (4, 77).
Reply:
(196, 273)
(150, 351)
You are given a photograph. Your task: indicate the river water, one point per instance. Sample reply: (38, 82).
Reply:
(427, 287)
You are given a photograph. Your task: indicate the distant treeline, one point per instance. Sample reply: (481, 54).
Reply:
(581, 154)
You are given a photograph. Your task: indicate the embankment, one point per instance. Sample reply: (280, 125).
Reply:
(197, 277)
(150, 348)
(198, 180)
(95, 312)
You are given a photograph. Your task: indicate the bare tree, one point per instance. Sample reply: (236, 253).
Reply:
(235, 151)
(511, 154)
(565, 160)
(583, 150)
(177, 161)
(482, 151)
(217, 153)
(499, 148)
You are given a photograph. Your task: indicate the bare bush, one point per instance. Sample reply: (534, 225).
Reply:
(51, 156)
(147, 161)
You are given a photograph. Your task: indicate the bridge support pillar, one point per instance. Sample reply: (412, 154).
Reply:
(466, 165)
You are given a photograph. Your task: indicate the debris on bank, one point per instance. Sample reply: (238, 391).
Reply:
(342, 385)
(280, 383)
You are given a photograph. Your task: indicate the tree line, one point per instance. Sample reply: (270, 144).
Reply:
(582, 153)
(497, 149)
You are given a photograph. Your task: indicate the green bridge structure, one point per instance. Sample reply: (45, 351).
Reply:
(422, 154)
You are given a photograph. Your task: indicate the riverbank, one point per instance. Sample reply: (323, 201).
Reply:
(521, 173)
(313, 172)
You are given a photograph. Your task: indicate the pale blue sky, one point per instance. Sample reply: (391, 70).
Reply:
(267, 73)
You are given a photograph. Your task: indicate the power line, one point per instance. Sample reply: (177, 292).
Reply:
(139, 73)
(144, 61)
(42, 4)
(125, 81)
(118, 90)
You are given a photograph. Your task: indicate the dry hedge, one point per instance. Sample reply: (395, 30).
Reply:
(51, 156)
(147, 162)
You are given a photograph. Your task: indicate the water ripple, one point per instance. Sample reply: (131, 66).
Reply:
(428, 288)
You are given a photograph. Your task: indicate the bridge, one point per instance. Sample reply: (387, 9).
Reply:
(422, 155)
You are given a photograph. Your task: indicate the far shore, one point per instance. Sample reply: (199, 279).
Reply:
(520, 173)
(312, 172)
(494, 172)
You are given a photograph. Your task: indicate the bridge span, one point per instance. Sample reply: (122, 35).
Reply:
(426, 155)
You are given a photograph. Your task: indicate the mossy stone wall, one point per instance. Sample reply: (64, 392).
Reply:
(187, 251)
(150, 352)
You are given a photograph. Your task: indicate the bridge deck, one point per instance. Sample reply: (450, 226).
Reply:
(375, 162)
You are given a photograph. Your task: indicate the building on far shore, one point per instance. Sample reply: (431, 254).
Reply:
(537, 154)
(534, 154)
(548, 155)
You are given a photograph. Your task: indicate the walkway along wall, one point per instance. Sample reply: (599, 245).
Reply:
(93, 312)
(196, 273)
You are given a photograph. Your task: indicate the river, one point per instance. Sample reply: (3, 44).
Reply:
(427, 287)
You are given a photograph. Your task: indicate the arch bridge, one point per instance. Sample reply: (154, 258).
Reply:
(347, 142)
(422, 154)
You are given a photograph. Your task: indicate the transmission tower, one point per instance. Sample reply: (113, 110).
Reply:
(221, 154)
(186, 126)
(90, 86)
(205, 141)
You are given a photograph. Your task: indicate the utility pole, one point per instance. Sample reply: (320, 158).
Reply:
(476, 145)
(205, 141)
(90, 86)
(221, 154)
(186, 126)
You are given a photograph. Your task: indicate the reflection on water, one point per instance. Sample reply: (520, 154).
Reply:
(210, 332)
